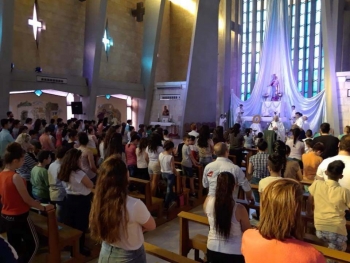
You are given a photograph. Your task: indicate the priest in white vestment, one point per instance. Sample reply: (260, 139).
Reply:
(277, 126)
(238, 114)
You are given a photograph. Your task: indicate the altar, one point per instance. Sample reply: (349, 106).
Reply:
(271, 108)
(169, 125)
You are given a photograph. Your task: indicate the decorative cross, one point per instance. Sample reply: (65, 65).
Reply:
(107, 40)
(37, 25)
(139, 12)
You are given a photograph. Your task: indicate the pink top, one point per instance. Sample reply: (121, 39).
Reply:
(46, 143)
(58, 138)
(130, 153)
(255, 248)
(100, 129)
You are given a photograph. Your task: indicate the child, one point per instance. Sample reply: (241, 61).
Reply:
(187, 161)
(346, 132)
(142, 160)
(331, 201)
(130, 155)
(258, 138)
(312, 160)
(274, 165)
(167, 167)
(308, 138)
(40, 178)
(308, 145)
(248, 138)
(179, 148)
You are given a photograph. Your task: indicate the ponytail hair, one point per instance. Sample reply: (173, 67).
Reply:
(14, 151)
(280, 151)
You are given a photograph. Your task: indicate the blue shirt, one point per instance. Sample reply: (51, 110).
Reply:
(5, 139)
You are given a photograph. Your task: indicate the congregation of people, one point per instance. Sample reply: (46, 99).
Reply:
(82, 168)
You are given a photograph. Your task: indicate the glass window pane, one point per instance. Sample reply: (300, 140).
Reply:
(317, 52)
(301, 53)
(300, 64)
(316, 63)
(315, 74)
(300, 86)
(315, 86)
(300, 75)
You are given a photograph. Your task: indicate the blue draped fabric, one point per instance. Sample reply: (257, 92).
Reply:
(276, 59)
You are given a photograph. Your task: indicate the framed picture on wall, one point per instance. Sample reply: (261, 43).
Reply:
(165, 111)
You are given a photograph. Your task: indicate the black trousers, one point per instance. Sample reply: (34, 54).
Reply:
(217, 257)
(77, 214)
(239, 155)
(21, 235)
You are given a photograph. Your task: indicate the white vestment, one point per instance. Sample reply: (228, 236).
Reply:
(281, 132)
(256, 127)
(238, 115)
(299, 122)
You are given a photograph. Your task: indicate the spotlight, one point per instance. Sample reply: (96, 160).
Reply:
(108, 96)
(12, 66)
(38, 92)
(38, 69)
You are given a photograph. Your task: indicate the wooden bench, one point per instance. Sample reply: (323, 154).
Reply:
(166, 254)
(59, 236)
(199, 242)
(153, 204)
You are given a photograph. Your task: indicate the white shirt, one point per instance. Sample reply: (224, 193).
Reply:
(297, 149)
(193, 133)
(299, 122)
(57, 191)
(306, 126)
(75, 186)
(322, 168)
(222, 164)
(91, 143)
(138, 216)
(102, 150)
(153, 156)
(216, 242)
(165, 163)
(141, 159)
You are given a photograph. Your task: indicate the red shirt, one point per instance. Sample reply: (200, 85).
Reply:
(255, 249)
(12, 202)
(130, 153)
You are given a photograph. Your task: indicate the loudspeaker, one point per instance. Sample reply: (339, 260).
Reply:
(77, 107)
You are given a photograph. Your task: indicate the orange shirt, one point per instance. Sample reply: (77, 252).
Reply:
(311, 161)
(12, 202)
(255, 249)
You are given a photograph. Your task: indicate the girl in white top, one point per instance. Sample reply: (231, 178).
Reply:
(78, 187)
(153, 150)
(142, 159)
(167, 167)
(297, 148)
(228, 220)
(92, 140)
(248, 138)
(121, 229)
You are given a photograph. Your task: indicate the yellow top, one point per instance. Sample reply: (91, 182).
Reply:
(331, 201)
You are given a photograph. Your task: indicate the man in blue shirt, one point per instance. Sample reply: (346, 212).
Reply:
(5, 137)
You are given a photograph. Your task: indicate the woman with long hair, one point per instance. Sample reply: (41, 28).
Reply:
(115, 145)
(153, 150)
(78, 188)
(109, 134)
(236, 143)
(130, 155)
(297, 147)
(205, 146)
(280, 228)
(228, 221)
(218, 135)
(38, 126)
(16, 203)
(117, 219)
(142, 159)
(248, 138)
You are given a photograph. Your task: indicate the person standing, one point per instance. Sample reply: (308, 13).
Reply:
(5, 137)
(121, 233)
(16, 203)
(239, 113)
(329, 141)
(277, 126)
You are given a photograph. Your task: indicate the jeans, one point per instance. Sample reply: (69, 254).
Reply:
(256, 181)
(205, 160)
(132, 170)
(41, 200)
(60, 210)
(170, 179)
(110, 254)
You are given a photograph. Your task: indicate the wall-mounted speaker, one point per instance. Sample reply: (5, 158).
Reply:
(77, 107)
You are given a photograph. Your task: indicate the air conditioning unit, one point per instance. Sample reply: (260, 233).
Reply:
(347, 79)
(169, 97)
(169, 86)
(51, 80)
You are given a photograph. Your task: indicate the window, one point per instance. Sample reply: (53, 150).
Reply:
(128, 108)
(307, 55)
(70, 99)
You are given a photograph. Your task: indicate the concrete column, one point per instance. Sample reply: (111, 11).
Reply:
(203, 64)
(154, 10)
(224, 79)
(6, 41)
(95, 19)
(330, 22)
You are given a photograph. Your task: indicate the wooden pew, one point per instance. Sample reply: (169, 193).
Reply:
(233, 159)
(153, 204)
(199, 242)
(59, 236)
(166, 254)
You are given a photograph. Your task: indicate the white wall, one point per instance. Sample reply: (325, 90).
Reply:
(343, 99)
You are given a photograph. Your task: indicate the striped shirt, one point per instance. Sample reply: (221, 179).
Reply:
(29, 162)
(259, 162)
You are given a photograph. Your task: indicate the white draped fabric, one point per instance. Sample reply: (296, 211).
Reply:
(276, 59)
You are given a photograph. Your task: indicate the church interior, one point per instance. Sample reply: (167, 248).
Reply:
(107, 157)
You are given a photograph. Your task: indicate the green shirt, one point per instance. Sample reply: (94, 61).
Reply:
(40, 181)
